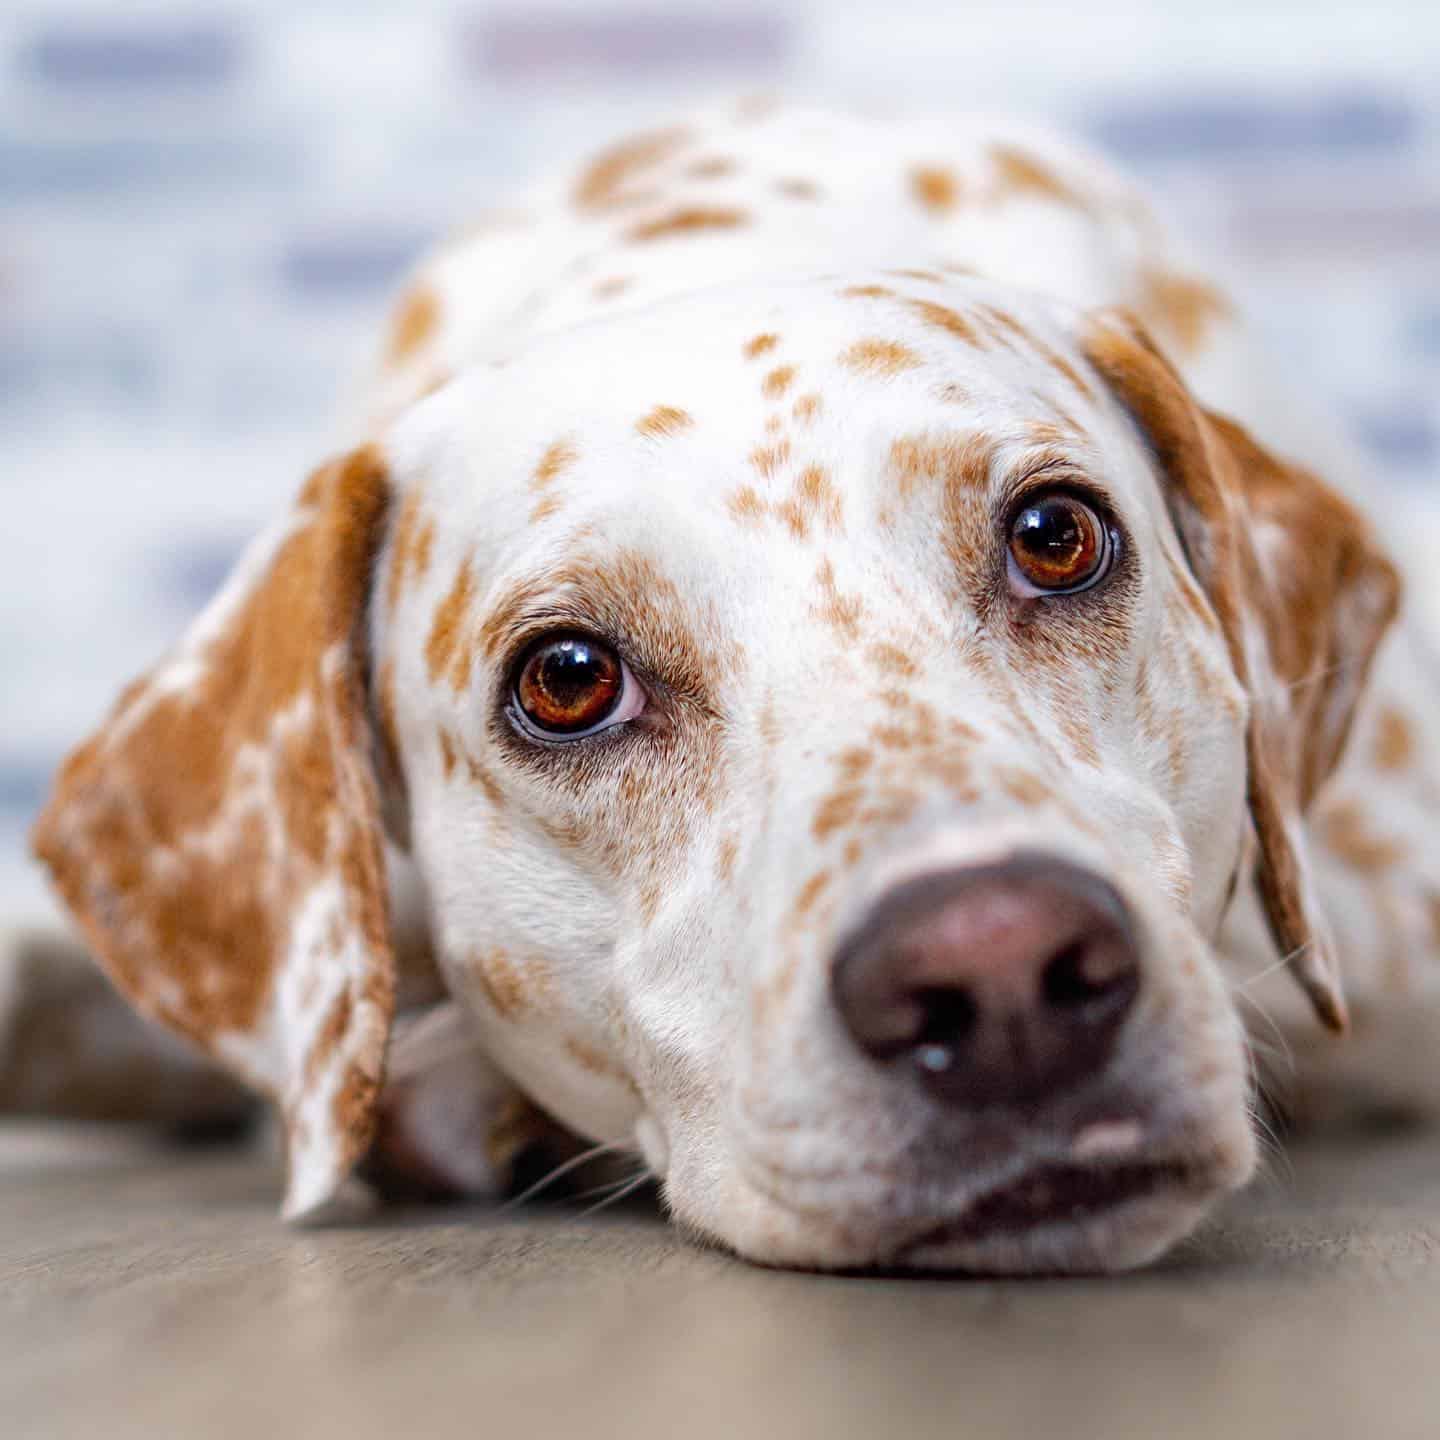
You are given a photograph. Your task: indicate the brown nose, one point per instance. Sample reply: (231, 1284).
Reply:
(1000, 985)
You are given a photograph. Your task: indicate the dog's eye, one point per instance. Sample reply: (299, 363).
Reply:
(1058, 545)
(571, 685)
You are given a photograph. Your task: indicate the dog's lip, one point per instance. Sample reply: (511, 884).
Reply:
(1058, 1195)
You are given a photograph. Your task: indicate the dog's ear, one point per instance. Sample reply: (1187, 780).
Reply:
(1304, 595)
(218, 838)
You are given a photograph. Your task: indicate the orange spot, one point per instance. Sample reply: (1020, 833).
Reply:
(767, 459)
(444, 650)
(840, 611)
(1181, 307)
(810, 892)
(414, 324)
(1394, 739)
(760, 345)
(806, 408)
(746, 505)
(687, 220)
(892, 660)
(934, 188)
(602, 186)
(1017, 172)
(778, 381)
(557, 457)
(664, 420)
(946, 319)
(879, 357)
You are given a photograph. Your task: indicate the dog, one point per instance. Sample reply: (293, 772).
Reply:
(830, 670)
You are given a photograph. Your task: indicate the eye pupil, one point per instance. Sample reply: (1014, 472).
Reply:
(569, 683)
(1058, 543)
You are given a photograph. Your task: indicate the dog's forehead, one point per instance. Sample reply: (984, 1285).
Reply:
(803, 428)
(706, 388)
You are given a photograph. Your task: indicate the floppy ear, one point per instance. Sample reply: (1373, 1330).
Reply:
(1303, 593)
(218, 837)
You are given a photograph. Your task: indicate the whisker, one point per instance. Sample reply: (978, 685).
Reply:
(628, 1189)
(607, 1186)
(1264, 1014)
(1270, 969)
(606, 1147)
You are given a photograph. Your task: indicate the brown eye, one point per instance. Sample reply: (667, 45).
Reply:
(569, 685)
(1058, 543)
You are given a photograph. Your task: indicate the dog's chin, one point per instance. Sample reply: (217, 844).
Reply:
(1053, 1219)
(1105, 1225)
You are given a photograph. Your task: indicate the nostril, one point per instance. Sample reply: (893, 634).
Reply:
(950, 1016)
(1084, 977)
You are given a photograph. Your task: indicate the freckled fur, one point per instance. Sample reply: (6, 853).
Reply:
(811, 591)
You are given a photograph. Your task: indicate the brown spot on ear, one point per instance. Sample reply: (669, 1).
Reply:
(602, 185)
(1394, 739)
(934, 188)
(664, 420)
(797, 189)
(409, 549)
(879, 357)
(866, 292)
(191, 833)
(447, 753)
(806, 408)
(385, 718)
(778, 381)
(610, 287)
(713, 167)
(414, 324)
(760, 345)
(686, 220)
(445, 650)
(1343, 826)
(1019, 173)
(1180, 307)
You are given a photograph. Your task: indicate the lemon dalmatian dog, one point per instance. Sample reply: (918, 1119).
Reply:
(831, 670)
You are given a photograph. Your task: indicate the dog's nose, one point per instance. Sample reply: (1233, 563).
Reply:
(1000, 985)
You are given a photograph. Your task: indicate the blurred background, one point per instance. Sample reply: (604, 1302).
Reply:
(205, 210)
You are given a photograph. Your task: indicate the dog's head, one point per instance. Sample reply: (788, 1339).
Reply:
(830, 722)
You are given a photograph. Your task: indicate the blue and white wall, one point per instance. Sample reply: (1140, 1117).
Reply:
(204, 209)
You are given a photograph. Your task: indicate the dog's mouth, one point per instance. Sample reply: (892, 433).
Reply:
(1055, 1196)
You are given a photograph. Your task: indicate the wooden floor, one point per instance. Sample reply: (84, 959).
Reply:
(153, 1295)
